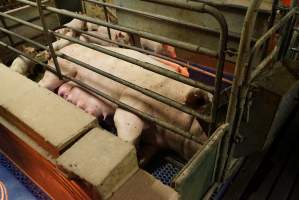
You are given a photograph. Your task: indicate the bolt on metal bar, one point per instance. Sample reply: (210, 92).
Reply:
(47, 37)
(144, 91)
(180, 44)
(122, 105)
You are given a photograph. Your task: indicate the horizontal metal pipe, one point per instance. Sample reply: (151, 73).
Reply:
(183, 64)
(204, 8)
(31, 25)
(155, 16)
(87, 88)
(144, 91)
(224, 4)
(145, 65)
(295, 49)
(180, 44)
(23, 38)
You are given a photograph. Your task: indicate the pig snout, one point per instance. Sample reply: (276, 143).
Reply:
(169, 51)
(64, 90)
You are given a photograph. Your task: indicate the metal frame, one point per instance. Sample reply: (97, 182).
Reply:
(245, 73)
(200, 7)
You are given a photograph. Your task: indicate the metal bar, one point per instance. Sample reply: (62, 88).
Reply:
(148, 52)
(107, 19)
(24, 38)
(87, 88)
(183, 45)
(201, 7)
(273, 30)
(225, 4)
(200, 156)
(47, 37)
(34, 26)
(145, 65)
(159, 17)
(295, 49)
(232, 114)
(144, 91)
(263, 65)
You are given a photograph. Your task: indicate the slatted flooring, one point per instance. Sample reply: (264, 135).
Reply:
(273, 176)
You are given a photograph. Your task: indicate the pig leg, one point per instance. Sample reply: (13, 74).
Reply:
(50, 81)
(128, 125)
(20, 65)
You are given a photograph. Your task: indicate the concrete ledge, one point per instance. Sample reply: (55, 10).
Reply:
(143, 186)
(12, 84)
(102, 160)
(48, 119)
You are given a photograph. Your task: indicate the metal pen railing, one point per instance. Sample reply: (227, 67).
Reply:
(245, 74)
(220, 55)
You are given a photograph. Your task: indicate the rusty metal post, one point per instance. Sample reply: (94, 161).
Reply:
(48, 37)
(107, 19)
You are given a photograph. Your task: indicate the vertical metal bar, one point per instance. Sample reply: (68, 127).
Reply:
(47, 37)
(107, 19)
(240, 67)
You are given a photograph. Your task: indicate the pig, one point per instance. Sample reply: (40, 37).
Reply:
(75, 23)
(158, 48)
(60, 43)
(178, 68)
(129, 126)
(124, 38)
(87, 102)
(23, 65)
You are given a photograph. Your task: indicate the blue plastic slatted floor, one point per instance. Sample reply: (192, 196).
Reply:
(18, 186)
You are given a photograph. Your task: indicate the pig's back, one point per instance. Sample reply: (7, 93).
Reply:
(128, 71)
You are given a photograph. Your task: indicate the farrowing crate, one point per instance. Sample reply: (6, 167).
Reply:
(206, 166)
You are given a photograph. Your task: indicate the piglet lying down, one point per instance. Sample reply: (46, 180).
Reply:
(128, 125)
